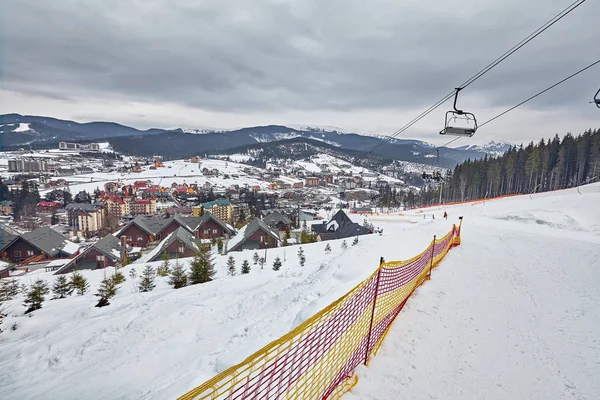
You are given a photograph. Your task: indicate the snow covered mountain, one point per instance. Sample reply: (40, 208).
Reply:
(491, 148)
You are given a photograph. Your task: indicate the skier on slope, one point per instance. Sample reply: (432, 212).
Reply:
(445, 215)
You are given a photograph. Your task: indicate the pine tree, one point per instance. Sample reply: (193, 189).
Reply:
(355, 241)
(277, 264)
(328, 248)
(178, 277)
(106, 291)
(35, 296)
(262, 262)
(301, 257)
(220, 245)
(61, 287)
(231, 266)
(79, 283)
(118, 277)
(163, 268)
(255, 258)
(344, 245)
(245, 267)
(285, 242)
(132, 273)
(202, 269)
(147, 281)
(9, 289)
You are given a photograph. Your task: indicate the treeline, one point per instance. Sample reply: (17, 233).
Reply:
(548, 165)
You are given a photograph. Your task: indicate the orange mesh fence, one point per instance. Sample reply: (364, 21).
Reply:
(317, 359)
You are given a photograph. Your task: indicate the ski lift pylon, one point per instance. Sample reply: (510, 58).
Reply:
(456, 115)
(597, 98)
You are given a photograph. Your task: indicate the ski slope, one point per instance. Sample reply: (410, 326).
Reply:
(511, 313)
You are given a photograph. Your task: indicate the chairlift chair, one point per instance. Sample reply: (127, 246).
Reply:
(597, 98)
(450, 126)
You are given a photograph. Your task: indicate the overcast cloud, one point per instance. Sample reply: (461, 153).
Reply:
(369, 66)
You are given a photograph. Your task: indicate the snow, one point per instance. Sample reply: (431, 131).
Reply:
(508, 314)
(237, 238)
(57, 263)
(70, 247)
(22, 128)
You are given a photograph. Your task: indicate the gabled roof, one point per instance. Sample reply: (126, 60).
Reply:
(5, 238)
(246, 231)
(194, 223)
(181, 234)
(109, 245)
(340, 226)
(277, 217)
(48, 240)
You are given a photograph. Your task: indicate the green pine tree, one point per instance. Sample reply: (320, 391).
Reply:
(106, 291)
(355, 241)
(231, 266)
(277, 264)
(220, 245)
(36, 295)
(328, 248)
(245, 267)
(132, 273)
(301, 257)
(79, 283)
(61, 287)
(9, 289)
(147, 281)
(202, 269)
(255, 257)
(262, 261)
(163, 268)
(344, 245)
(178, 277)
(118, 277)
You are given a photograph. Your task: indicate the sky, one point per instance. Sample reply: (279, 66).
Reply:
(368, 67)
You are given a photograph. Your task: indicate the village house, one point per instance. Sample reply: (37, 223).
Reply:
(312, 181)
(339, 227)
(221, 208)
(6, 207)
(42, 244)
(48, 206)
(276, 220)
(106, 252)
(177, 244)
(255, 235)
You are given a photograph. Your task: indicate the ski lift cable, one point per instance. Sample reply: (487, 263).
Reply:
(542, 92)
(485, 70)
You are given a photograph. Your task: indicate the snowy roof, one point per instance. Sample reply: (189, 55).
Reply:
(49, 241)
(248, 230)
(58, 263)
(181, 234)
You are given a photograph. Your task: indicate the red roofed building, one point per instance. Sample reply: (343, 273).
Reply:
(144, 206)
(48, 206)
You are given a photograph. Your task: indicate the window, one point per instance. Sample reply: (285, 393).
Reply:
(181, 249)
(100, 258)
(214, 231)
(17, 253)
(140, 238)
(29, 253)
(262, 239)
(206, 231)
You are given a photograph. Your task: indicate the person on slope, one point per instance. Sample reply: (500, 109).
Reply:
(445, 215)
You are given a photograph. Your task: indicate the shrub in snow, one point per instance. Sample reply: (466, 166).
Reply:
(277, 264)
(178, 277)
(301, 257)
(163, 269)
(106, 291)
(203, 268)
(147, 281)
(262, 262)
(36, 295)
(255, 257)
(79, 283)
(355, 241)
(132, 273)
(61, 287)
(328, 248)
(344, 245)
(119, 278)
(231, 266)
(245, 267)
(9, 289)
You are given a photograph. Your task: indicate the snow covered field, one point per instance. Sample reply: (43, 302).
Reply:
(511, 313)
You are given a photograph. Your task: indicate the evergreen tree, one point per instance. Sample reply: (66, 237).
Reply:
(355, 241)
(231, 266)
(220, 245)
(203, 268)
(255, 257)
(147, 281)
(61, 287)
(301, 257)
(132, 273)
(178, 277)
(245, 267)
(79, 283)
(106, 291)
(344, 245)
(118, 277)
(9, 289)
(163, 268)
(262, 261)
(328, 248)
(36, 295)
(277, 264)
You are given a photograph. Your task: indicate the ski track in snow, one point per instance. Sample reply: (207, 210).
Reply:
(511, 313)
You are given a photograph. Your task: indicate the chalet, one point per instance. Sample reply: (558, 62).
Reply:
(106, 252)
(277, 220)
(80, 170)
(255, 235)
(5, 239)
(177, 244)
(41, 244)
(339, 227)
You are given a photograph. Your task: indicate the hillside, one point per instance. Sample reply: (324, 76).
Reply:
(508, 314)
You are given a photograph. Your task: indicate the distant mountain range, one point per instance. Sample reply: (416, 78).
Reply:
(43, 132)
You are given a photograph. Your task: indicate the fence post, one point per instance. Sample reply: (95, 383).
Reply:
(431, 261)
(373, 311)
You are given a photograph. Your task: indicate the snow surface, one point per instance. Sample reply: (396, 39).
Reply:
(22, 128)
(511, 313)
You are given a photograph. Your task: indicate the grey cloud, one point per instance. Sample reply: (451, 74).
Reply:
(269, 56)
